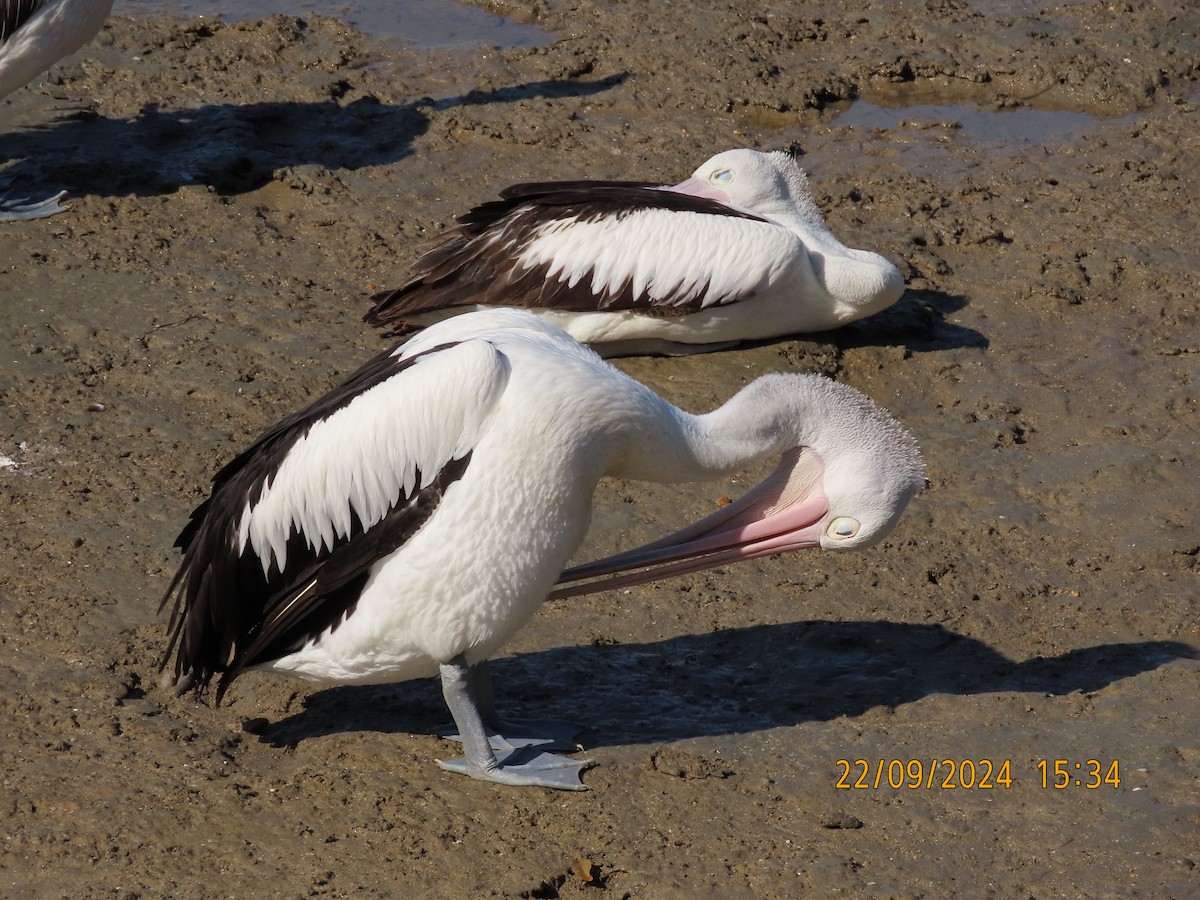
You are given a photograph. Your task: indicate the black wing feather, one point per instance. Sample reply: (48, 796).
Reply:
(14, 14)
(228, 614)
(464, 267)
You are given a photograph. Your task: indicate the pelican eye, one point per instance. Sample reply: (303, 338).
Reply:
(842, 528)
(722, 175)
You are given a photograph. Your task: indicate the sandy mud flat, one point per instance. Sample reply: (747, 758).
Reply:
(237, 192)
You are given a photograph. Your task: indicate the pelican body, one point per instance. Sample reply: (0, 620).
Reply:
(34, 35)
(739, 251)
(408, 523)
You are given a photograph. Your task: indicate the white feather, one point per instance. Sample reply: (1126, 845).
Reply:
(666, 254)
(367, 453)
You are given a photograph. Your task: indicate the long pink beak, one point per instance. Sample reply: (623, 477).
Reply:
(698, 188)
(786, 512)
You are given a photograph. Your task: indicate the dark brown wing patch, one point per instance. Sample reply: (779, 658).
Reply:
(474, 263)
(14, 14)
(228, 614)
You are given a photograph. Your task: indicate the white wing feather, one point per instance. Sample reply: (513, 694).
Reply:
(668, 255)
(389, 441)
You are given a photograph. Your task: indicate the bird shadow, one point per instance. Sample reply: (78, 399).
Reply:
(235, 148)
(917, 321)
(734, 681)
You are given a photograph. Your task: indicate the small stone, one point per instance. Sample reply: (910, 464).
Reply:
(840, 820)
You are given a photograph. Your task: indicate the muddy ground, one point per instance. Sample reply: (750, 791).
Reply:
(237, 190)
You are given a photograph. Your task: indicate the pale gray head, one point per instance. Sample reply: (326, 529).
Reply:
(846, 472)
(773, 186)
(868, 466)
(769, 184)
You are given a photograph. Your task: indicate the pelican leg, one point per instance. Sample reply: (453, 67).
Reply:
(509, 734)
(516, 766)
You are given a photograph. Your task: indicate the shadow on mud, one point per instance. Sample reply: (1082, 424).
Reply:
(734, 681)
(917, 322)
(236, 148)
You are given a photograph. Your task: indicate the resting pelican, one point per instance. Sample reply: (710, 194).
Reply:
(34, 35)
(737, 252)
(409, 522)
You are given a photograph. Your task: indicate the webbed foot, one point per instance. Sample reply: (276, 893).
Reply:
(505, 752)
(526, 767)
(23, 210)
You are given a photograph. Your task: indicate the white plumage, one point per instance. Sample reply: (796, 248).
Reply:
(739, 251)
(408, 523)
(331, 476)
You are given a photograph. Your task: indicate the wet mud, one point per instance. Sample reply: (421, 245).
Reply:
(238, 190)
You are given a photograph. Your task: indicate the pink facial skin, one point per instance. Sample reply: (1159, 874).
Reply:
(697, 188)
(786, 512)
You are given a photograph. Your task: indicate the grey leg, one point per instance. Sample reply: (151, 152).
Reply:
(519, 766)
(509, 734)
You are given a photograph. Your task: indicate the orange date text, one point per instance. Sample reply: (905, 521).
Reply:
(924, 774)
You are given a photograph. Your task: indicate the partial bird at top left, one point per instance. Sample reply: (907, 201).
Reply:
(34, 35)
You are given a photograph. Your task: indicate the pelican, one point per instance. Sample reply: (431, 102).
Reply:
(739, 251)
(34, 35)
(409, 522)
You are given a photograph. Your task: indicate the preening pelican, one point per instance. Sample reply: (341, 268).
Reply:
(34, 35)
(737, 252)
(409, 522)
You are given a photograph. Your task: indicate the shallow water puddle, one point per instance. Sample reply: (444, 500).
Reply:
(425, 23)
(1018, 124)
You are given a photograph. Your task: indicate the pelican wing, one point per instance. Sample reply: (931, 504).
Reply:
(14, 14)
(282, 549)
(588, 246)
